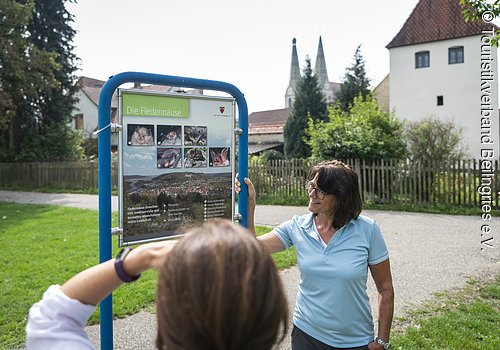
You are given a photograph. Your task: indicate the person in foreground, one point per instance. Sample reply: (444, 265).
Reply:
(336, 246)
(217, 290)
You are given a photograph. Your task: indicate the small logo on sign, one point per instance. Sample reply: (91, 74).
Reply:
(222, 109)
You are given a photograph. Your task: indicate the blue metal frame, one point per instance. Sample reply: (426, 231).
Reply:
(104, 152)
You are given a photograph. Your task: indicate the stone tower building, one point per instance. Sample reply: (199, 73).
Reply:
(294, 76)
(328, 88)
(445, 67)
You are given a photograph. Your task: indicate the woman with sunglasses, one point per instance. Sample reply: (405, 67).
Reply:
(336, 246)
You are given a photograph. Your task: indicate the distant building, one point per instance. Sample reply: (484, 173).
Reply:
(328, 88)
(381, 93)
(265, 129)
(294, 76)
(440, 66)
(85, 114)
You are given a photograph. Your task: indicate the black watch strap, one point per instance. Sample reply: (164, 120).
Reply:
(119, 267)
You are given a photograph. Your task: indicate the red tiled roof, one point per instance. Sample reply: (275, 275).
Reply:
(266, 129)
(261, 147)
(271, 117)
(92, 87)
(433, 20)
(334, 86)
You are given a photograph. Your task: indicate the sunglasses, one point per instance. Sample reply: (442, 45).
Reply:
(319, 193)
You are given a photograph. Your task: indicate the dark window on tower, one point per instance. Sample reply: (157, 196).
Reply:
(440, 100)
(422, 59)
(456, 55)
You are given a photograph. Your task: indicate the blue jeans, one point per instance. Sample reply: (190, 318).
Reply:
(303, 341)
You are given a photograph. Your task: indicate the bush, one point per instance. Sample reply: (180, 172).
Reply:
(56, 143)
(309, 103)
(366, 132)
(431, 139)
(90, 147)
(271, 155)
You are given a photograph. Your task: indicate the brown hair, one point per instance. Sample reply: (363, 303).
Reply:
(340, 180)
(219, 290)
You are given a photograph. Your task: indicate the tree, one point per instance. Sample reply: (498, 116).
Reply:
(309, 103)
(37, 85)
(25, 71)
(364, 132)
(55, 144)
(355, 83)
(50, 30)
(431, 142)
(271, 154)
(431, 139)
(482, 10)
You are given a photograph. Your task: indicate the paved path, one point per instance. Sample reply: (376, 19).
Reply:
(83, 201)
(429, 253)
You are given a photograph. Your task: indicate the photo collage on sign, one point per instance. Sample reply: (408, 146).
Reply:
(178, 149)
(140, 135)
(168, 153)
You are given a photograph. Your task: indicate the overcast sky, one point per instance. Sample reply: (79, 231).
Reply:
(245, 43)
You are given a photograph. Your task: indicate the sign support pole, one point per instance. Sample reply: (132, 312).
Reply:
(104, 163)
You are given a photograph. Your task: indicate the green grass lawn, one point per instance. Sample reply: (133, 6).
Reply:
(43, 245)
(46, 245)
(282, 259)
(465, 319)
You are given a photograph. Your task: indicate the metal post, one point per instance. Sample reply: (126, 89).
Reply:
(104, 152)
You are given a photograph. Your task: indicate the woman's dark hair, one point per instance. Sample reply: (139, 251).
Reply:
(340, 180)
(219, 290)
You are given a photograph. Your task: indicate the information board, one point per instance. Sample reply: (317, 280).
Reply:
(176, 157)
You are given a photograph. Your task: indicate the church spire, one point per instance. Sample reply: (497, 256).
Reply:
(294, 69)
(294, 76)
(320, 67)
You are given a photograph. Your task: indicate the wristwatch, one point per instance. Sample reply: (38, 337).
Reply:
(385, 345)
(119, 267)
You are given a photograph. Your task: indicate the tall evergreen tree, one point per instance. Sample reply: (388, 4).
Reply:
(309, 103)
(50, 30)
(37, 84)
(355, 83)
(25, 71)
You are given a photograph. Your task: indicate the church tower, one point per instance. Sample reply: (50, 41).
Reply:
(328, 88)
(320, 67)
(294, 76)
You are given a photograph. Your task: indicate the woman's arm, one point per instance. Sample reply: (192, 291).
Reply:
(252, 201)
(58, 320)
(269, 241)
(381, 274)
(94, 284)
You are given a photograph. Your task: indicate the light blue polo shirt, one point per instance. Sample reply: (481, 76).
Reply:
(332, 303)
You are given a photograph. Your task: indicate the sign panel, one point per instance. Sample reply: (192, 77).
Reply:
(176, 163)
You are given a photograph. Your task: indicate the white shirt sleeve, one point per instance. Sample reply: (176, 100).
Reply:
(58, 322)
